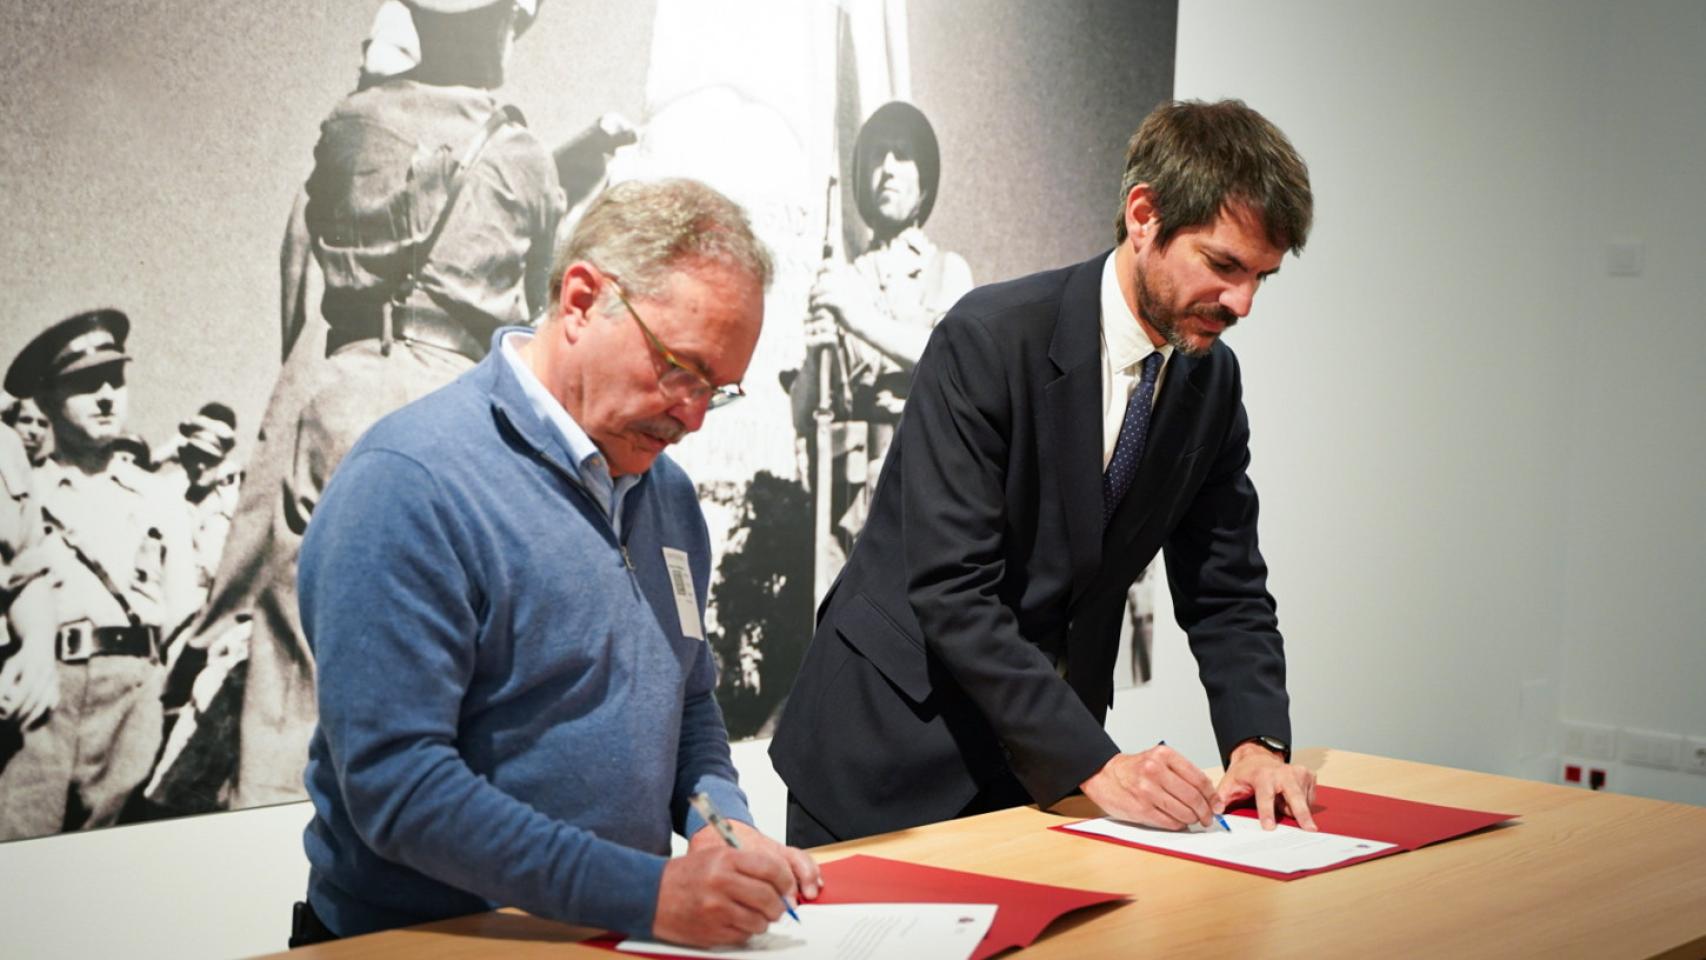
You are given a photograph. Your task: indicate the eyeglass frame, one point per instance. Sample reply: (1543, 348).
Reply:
(716, 396)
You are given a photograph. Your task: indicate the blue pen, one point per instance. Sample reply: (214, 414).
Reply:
(1217, 817)
(702, 803)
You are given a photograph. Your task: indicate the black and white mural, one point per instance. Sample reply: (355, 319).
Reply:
(224, 220)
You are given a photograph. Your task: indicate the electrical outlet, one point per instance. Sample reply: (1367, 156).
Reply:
(1645, 748)
(1694, 755)
(1590, 741)
(1575, 772)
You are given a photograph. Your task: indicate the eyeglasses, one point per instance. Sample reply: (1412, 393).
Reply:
(680, 382)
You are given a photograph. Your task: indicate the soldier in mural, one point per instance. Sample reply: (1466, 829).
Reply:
(869, 319)
(117, 561)
(29, 677)
(25, 418)
(207, 474)
(430, 215)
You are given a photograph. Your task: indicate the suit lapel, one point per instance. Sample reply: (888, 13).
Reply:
(1074, 405)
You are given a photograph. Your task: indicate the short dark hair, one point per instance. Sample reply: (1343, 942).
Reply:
(1197, 157)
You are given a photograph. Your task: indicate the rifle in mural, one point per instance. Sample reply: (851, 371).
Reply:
(823, 416)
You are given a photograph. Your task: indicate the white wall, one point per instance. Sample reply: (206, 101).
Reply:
(212, 886)
(1480, 456)
(1633, 597)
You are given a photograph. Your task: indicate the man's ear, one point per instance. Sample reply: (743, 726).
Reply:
(1142, 220)
(582, 285)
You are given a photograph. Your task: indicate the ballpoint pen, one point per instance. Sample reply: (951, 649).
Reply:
(702, 803)
(1217, 817)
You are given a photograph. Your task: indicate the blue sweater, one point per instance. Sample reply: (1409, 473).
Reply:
(510, 712)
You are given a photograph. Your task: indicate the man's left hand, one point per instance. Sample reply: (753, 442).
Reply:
(1257, 771)
(807, 880)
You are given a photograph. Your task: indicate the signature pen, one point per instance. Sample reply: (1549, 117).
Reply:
(1217, 817)
(702, 803)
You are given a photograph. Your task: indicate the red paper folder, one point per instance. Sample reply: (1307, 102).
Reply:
(1023, 910)
(1367, 816)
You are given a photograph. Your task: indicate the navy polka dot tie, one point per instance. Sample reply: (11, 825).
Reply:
(1134, 430)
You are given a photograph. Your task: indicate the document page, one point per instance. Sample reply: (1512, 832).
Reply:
(1281, 850)
(855, 931)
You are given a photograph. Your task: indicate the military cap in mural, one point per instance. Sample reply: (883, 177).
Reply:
(212, 431)
(76, 343)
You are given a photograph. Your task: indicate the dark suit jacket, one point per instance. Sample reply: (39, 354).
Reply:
(931, 677)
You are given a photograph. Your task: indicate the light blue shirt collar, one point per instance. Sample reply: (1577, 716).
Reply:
(594, 469)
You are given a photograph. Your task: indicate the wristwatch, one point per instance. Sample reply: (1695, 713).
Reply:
(1272, 743)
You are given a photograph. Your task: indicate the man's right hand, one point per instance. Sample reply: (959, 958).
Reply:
(716, 896)
(1158, 788)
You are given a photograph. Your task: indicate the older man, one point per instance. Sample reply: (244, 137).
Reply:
(119, 565)
(503, 589)
(963, 660)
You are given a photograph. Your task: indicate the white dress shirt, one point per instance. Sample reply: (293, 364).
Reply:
(1124, 347)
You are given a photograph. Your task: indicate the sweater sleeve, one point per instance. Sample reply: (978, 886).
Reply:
(703, 762)
(389, 608)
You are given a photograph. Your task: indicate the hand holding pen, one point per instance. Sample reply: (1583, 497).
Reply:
(1158, 788)
(708, 810)
(720, 895)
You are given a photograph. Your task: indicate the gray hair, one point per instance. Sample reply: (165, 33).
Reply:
(639, 230)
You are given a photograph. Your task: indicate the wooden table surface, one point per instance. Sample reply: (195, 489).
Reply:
(1579, 874)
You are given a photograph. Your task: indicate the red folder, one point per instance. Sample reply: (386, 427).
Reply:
(1367, 816)
(1023, 910)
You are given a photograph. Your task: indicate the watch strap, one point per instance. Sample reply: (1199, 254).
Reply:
(1270, 743)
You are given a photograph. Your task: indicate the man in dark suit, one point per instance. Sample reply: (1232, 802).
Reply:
(963, 661)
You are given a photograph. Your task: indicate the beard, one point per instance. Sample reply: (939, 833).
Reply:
(1155, 307)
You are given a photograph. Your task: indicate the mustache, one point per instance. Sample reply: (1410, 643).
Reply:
(1219, 313)
(667, 429)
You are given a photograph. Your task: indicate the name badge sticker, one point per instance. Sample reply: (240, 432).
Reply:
(686, 601)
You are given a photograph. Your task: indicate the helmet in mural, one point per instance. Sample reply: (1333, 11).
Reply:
(896, 122)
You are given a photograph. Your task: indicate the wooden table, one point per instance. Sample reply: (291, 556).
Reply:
(1580, 874)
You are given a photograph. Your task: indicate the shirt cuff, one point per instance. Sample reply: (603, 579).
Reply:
(727, 797)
